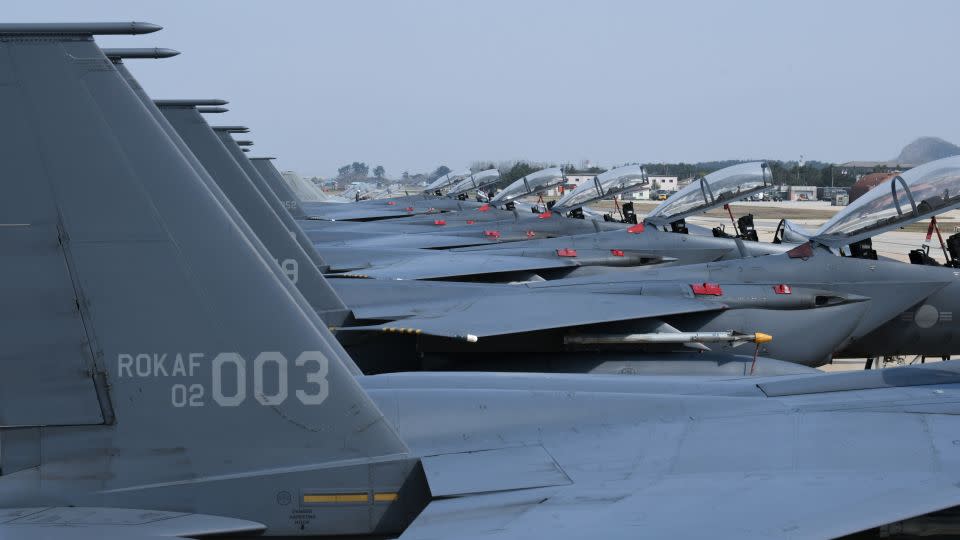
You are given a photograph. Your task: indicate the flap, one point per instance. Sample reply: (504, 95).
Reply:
(492, 470)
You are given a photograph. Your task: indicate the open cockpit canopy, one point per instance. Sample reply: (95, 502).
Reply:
(535, 182)
(613, 182)
(475, 181)
(921, 192)
(717, 188)
(446, 180)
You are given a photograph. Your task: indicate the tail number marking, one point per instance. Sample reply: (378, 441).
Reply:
(229, 376)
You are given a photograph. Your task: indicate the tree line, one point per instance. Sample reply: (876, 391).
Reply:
(811, 173)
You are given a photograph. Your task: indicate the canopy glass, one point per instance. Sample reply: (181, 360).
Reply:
(475, 181)
(921, 192)
(604, 185)
(715, 189)
(536, 182)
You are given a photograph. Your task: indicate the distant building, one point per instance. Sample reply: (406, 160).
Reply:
(666, 183)
(573, 181)
(868, 182)
(828, 193)
(802, 193)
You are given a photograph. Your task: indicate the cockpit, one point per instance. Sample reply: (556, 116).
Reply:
(474, 182)
(618, 181)
(533, 183)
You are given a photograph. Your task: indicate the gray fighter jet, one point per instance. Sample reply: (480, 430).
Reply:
(898, 294)
(640, 244)
(630, 334)
(551, 246)
(163, 379)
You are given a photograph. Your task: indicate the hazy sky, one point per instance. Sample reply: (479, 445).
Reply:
(411, 85)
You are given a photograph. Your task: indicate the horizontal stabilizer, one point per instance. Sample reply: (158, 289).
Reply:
(443, 264)
(475, 318)
(922, 375)
(108, 523)
(824, 505)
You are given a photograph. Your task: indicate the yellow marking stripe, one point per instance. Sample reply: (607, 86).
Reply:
(348, 497)
(337, 498)
(395, 330)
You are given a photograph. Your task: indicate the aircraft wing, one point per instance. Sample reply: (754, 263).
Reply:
(820, 504)
(443, 264)
(411, 241)
(798, 461)
(485, 316)
(77, 523)
(348, 212)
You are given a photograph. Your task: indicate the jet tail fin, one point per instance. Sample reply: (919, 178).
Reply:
(291, 199)
(331, 306)
(300, 263)
(182, 367)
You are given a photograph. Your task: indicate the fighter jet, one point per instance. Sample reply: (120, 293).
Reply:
(639, 244)
(918, 301)
(176, 386)
(550, 246)
(441, 319)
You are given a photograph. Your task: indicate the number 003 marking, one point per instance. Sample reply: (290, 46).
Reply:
(316, 379)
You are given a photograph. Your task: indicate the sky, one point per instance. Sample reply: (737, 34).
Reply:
(411, 85)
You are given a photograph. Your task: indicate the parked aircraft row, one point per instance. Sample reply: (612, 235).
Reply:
(196, 344)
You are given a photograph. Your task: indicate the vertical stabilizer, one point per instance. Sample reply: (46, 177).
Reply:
(285, 199)
(283, 190)
(223, 400)
(249, 201)
(334, 349)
